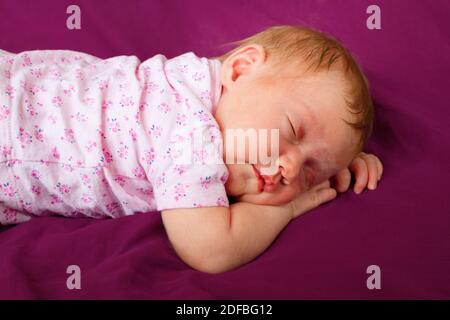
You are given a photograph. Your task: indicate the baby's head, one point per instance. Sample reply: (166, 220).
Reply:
(305, 84)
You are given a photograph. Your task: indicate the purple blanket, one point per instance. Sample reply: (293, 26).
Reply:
(403, 227)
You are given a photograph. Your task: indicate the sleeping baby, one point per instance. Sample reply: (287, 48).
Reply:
(229, 149)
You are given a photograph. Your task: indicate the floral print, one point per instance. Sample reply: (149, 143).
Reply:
(82, 136)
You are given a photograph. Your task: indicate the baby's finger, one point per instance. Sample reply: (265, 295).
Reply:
(343, 179)
(314, 199)
(380, 167)
(324, 195)
(359, 167)
(372, 169)
(322, 185)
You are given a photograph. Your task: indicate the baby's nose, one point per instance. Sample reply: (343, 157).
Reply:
(290, 173)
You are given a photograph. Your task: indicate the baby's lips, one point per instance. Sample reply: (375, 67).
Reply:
(271, 183)
(272, 179)
(269, 187)
(259, 179)
(268, 180)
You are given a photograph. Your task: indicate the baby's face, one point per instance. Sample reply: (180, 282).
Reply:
(314, 142)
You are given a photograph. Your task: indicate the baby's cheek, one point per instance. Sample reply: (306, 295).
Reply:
(294, 193)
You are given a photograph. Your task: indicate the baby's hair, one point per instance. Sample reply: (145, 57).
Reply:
(320, 52)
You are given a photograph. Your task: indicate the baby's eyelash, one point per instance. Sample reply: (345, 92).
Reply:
(292, 127)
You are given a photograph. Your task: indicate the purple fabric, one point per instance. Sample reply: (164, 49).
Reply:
(403, 226)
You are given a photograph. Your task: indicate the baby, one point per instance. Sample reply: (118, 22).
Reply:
(82, 136)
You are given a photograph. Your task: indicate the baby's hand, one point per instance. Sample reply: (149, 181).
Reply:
(367, 169)
(312, 198)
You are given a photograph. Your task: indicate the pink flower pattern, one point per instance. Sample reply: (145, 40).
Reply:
(91, 137)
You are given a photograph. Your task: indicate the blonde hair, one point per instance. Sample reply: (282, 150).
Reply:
(298, 45)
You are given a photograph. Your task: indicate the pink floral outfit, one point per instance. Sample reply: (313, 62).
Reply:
(83, 136)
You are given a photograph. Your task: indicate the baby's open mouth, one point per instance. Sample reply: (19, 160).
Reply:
(263, 184)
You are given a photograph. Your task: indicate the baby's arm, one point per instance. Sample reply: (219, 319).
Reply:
(218, 239)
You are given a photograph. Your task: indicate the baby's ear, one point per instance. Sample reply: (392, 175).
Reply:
(241, 62)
